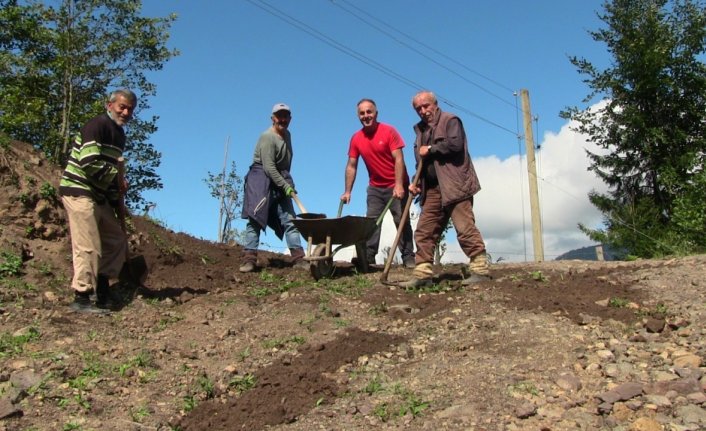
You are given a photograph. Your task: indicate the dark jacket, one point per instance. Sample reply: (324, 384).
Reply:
(452, 162)
(260, 199)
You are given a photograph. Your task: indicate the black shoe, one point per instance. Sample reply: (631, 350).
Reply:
(82, 304)
(247, 267)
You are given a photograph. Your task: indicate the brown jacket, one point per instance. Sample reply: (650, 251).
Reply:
(454, 169)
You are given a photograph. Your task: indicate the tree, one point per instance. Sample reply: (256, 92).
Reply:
(652, 126)
(226, 188)
(57, 65)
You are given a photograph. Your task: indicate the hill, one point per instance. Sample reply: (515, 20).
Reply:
(560, 345)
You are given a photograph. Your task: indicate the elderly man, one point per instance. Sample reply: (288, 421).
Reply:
(380, 146)
(268, 191)
(448, 184)
(91, 190)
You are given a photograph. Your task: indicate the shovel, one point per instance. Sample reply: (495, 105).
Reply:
(403, 220)
(136, 266)
(304, 213)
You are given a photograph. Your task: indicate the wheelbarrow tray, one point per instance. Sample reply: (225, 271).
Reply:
(345, 231)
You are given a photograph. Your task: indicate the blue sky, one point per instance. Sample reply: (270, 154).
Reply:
(240, 57)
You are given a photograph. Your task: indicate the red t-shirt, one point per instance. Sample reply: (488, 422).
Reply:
(376, 151)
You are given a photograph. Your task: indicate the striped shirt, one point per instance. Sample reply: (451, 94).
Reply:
(93, 161)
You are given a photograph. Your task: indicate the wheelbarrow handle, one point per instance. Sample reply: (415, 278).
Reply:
(340, 208)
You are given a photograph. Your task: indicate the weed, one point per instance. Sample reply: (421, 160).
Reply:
(139, 414)
(268, 276)
(374, 386)
(11, 264)
(70, 426)
(378, 309)
(340, 323)
(243, 354)
(14, 344)
(259, 292)
(412, 405)
(524, 386)
(190, 403)
(381, 412)
(207, 386)
(164, 321)
(538, 276)
(280, 343)
(47, 191)
(319, 401)
(616, 302)
(244, 383)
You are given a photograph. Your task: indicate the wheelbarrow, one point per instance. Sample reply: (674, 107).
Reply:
(323, 233)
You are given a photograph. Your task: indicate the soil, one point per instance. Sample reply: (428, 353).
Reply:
(200, 346)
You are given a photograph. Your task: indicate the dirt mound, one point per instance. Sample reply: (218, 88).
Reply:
(200, 346)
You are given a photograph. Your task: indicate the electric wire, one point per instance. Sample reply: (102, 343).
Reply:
(414, 49)
(263, 5)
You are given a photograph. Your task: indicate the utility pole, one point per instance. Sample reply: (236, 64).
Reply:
(532, 179)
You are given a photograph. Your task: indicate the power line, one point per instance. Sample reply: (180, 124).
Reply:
(403, 43)
(261, 4)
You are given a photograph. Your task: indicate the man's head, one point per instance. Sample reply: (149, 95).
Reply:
(426, 105)
(368, 113)
(121, 105)
(281, 117)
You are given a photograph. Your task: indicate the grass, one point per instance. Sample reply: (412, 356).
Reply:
(524, 387)
(243, 383)
(14, 344)
(10, 264)
(617, 302)
(280, 343)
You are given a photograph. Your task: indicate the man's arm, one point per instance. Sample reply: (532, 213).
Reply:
(351, 171)
(267, 157)
(400, 172)
(454, 139)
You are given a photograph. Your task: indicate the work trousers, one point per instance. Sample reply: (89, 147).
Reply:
(376, 201)
(98, 243)
(434, 218)
(284, 211)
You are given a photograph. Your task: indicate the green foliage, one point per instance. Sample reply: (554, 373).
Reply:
(651, 128)
(616, 302)
(227, 187)
(243, 383)
(14, 344)
(59, 60)
(48, 192)
(11, 264)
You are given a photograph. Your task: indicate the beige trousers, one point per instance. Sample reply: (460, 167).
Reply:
(98, 243)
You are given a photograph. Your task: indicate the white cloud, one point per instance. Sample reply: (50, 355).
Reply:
(503, 207)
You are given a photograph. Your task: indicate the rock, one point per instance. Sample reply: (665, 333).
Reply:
(692, 415)
(646, 424)
(655, 326)
(569, 382)
(526, 410)
(687, 361)
(8, 409)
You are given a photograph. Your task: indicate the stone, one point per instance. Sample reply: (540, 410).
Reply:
(8, 409)
(646, 424)
(687, 361)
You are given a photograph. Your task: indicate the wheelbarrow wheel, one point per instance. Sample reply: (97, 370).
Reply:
(321, 268)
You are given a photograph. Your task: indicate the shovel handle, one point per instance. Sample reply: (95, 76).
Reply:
(299, 203)
(378, 222)
(403, 220)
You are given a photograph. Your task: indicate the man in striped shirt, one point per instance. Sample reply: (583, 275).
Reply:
(91, 191)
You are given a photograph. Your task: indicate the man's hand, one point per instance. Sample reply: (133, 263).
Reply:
(414, 190)
(288, 192)
(424, 150)
(398, 191)
(346, 197)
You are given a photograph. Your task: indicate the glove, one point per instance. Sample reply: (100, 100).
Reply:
(288, 191)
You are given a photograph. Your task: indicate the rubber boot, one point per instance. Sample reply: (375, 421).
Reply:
(249, 261)
(298, 258)
(103, 296)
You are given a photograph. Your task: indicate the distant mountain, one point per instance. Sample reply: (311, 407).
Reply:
(590, 253)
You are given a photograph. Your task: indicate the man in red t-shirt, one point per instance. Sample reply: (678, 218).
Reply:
(380, 146)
